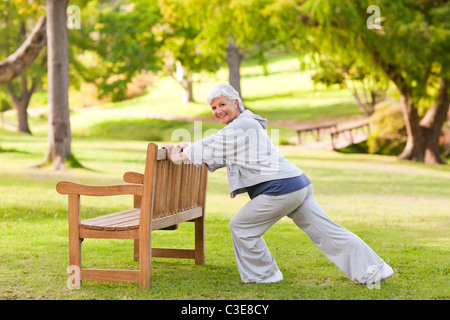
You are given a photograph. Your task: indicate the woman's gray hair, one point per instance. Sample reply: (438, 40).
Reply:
(226, 91)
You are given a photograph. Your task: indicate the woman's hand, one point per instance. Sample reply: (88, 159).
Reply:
(175, 154)
(169, 149)
(182, 145)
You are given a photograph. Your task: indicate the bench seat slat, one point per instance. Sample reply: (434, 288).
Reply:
(129, 220)
(122, 220)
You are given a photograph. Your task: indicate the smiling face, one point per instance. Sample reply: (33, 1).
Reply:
(224, 110)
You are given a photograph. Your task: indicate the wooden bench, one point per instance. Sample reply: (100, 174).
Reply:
(164, 196)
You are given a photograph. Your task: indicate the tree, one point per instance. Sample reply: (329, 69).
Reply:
(183, 52)
(25, 55)
(122, 36)
(410, 48)
(22, 87)
(367, 88)
(21, 100)
(227, 28)
(59, 134)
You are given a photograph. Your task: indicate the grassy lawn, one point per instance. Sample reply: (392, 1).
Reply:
(399, 208)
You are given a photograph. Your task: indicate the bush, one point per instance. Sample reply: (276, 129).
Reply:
(388, 131)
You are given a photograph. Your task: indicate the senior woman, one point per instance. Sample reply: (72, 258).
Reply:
(277, 188)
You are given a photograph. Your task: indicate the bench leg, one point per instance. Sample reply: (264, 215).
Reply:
(145, 259)
(74, 238)
(136, 250)
(200, 240)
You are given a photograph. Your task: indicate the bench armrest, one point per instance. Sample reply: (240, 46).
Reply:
(69, 187)
(133, 177)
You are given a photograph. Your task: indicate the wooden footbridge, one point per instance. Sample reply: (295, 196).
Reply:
(333, 136)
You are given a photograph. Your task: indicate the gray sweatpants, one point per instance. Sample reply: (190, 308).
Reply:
(254, 260)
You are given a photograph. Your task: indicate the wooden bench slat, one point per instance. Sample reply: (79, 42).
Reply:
(113, 216)
(173, 253)
(109, 275)
(122, 220)
(177, 218)
(111, 234)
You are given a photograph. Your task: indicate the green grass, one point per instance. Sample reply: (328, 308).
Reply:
(399, 208)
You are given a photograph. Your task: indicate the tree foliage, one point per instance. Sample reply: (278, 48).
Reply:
(122, 37)
(119, 39)
(22, 22)
(183, 52)
(218, 29)
(368, 88)
(16, 59)
(411, 50)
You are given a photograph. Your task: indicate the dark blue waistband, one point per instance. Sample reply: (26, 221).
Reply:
(278, 187)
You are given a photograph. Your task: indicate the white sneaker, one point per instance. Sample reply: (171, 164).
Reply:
(276, 277)
(385, 272)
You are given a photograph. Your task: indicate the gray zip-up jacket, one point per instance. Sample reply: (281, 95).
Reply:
(247, 151)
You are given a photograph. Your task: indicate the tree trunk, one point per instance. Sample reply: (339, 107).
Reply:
(20, 60)
(184, 78)
(423, 135)
(188, 95)
(360, 104)
(21, 102)
(234, 58)
(59, 134)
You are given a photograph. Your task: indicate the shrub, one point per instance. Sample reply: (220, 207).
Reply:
(388, 131)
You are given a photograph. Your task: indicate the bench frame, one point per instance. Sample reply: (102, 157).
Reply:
(151, 211)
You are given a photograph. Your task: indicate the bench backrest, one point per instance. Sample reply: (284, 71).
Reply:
(169, 188)
(177, 187)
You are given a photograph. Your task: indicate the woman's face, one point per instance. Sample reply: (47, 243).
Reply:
(224, 110)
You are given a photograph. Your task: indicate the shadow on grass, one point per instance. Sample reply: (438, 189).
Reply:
(71, 162)
(13, 151)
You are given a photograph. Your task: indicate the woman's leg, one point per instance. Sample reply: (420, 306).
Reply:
(346, 250)
(254, 260)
